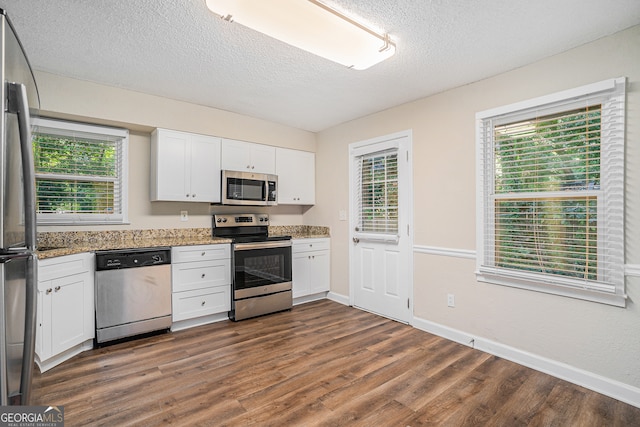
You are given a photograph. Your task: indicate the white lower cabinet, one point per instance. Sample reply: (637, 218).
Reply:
(201, 281)
(310, 267)
(65, 312)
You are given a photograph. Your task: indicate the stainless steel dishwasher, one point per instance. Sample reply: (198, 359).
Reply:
(133, 292)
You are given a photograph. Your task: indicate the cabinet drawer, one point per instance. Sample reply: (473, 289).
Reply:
(197, 275)
(200, 253)
(306, 245)
(203, 302)
(63, 266)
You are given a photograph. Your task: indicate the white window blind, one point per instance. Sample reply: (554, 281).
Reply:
(377, 201)
(80, 173)
(552, 194)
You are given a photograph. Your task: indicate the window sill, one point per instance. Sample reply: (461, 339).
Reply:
(63, 219)
(602, 297)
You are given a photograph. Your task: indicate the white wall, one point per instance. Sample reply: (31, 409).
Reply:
(67, 98)
(599, 339)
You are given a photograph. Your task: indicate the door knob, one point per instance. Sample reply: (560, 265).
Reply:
(356, 240)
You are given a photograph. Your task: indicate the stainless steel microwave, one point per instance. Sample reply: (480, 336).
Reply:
(249, 189)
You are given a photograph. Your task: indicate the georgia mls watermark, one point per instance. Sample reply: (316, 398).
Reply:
(31, 416)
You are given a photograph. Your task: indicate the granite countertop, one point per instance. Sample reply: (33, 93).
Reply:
(54, 244)
(299, 231)
(79, 247)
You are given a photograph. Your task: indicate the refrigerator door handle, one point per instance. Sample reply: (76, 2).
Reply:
(19, 104)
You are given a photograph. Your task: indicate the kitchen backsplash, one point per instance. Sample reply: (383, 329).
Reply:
(71, 238)
(89, 238)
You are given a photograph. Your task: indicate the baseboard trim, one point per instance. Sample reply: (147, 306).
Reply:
(53, 361)
(309, 298)
(609, 387)
(181, 325)
(339, 298)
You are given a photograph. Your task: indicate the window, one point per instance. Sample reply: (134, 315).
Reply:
(378, 198)
(80, 173)
(550, 182)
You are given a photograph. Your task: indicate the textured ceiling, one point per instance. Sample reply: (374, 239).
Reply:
(180, 50)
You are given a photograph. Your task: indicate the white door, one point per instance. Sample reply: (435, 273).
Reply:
(381, 268)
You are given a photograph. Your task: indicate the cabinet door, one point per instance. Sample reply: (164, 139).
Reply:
(205, 169)
(181, 254)
(319, 272)
(248, 157)
(263, 159)
(201, 302)
(170, 155)
(236, 155)
(198, 275)
(296, 177)
(43, 316)
(300, 271)
(67, 312)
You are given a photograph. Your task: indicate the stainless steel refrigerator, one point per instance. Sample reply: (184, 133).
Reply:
(18, 282)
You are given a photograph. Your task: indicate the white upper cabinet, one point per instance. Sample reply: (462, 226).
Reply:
(248, 157)
(184, 167)
(296, 172)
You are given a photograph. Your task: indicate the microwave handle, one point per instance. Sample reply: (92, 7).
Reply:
(267, 197)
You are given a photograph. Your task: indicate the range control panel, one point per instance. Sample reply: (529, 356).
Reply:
(240, 220)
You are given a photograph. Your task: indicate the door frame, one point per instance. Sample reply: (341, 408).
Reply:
(409, 209)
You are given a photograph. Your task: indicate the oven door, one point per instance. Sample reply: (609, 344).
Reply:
(261, 268)
(243, 188)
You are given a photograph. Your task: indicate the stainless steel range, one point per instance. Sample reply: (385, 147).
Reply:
(261, 265)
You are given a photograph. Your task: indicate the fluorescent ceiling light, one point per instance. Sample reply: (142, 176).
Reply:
(312, 26)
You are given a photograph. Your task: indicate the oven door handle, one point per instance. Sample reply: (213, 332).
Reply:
(261, 245)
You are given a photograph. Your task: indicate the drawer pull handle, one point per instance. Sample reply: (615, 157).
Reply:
(57, 288)
(49, 291)
(203, 275)
(202, 254)
(203, 302)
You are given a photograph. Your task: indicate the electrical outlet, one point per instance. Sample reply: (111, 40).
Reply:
(451, 300)
(184, 216)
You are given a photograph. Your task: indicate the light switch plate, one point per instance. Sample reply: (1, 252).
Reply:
(343, 215)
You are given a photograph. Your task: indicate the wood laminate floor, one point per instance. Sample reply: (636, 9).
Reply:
(320, 364)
